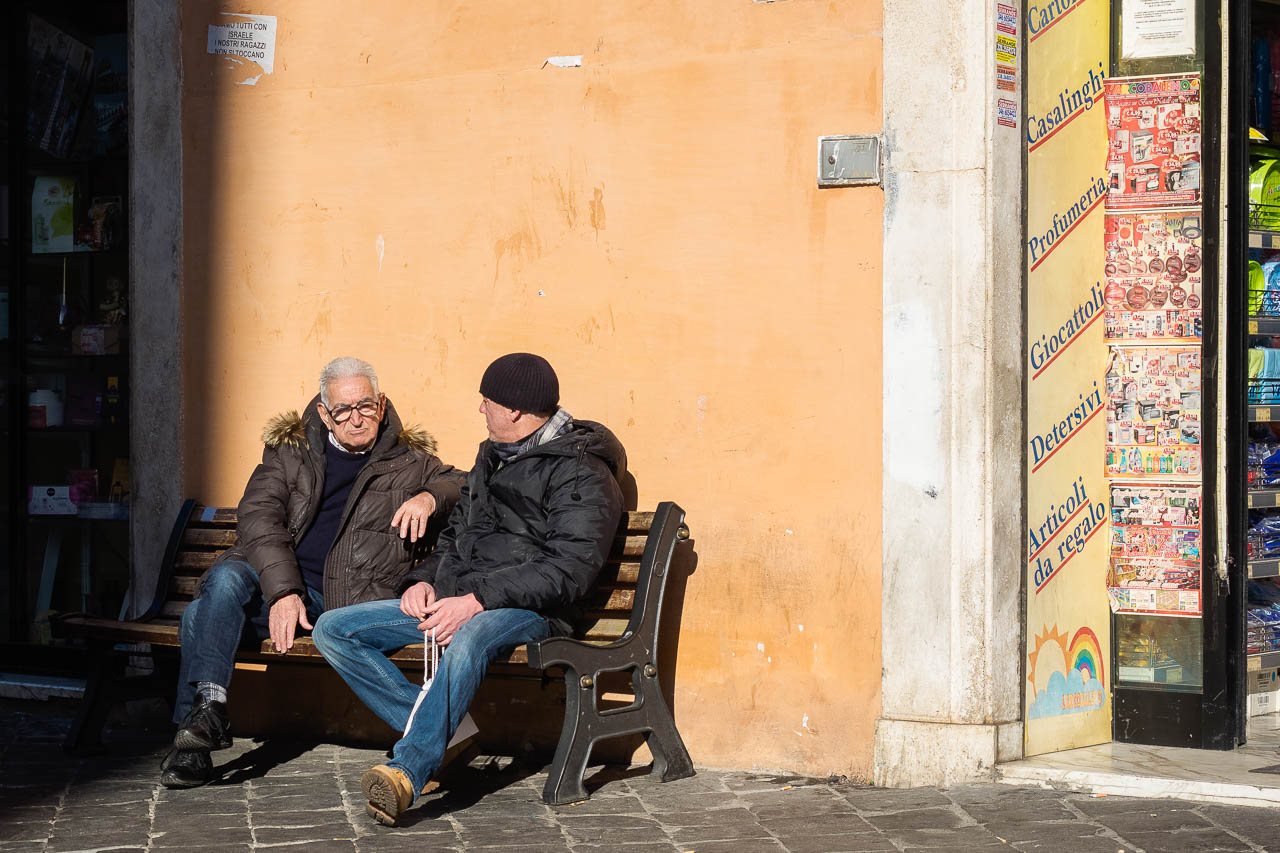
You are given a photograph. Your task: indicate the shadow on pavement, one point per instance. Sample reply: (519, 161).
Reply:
(261, 760)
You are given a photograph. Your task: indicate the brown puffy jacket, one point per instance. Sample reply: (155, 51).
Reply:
(368, 558)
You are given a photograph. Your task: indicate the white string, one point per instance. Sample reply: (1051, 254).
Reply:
(428, 675)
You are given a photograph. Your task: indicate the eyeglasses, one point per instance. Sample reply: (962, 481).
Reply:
(342, 414)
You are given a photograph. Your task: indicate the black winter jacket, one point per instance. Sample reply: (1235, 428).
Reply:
(535, 532)
(368, 559)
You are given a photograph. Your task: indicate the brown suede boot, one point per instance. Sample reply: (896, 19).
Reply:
(389, 791)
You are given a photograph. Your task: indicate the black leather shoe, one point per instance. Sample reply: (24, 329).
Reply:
(206, 727)
(186, 768)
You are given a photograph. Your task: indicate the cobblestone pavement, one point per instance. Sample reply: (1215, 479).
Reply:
(306, 797)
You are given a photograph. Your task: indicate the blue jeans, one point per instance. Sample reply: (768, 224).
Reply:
(356, 639)
(214, 623)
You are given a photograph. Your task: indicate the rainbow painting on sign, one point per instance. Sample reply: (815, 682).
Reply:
(1067, 677)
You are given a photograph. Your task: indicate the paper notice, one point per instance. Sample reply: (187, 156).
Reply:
(1153, 28)
(249, 42)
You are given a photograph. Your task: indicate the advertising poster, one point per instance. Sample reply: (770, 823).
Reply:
(1153, 276)
(1153, 412)
(1067, 691)
(1155, 549)
(1153, 127)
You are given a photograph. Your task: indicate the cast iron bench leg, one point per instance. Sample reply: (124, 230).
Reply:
(584, 725)
(564, 780)
(85, 736)
(671, 760)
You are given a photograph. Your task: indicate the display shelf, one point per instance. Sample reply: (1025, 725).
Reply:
(1260, 239)
(1264, 568)
(37, 159)
(1264, 325)
(114, 250)
(74, 430)
(1264, 660)
(1264, 414)
(95, 512)
(1264, 498)
(72, 358)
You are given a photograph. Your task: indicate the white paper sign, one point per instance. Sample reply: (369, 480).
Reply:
(1153, 28)
(246, 39)
(50, 500)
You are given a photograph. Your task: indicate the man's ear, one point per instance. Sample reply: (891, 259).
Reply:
(324, 415)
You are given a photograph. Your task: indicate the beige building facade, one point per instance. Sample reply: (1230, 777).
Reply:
(826, 379)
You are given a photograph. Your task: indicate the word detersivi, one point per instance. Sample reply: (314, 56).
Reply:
(1049, 345)
(1062, 222)
(1043, 445)
(1069, 103)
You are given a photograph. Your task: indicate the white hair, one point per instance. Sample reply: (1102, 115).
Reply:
(345, 368)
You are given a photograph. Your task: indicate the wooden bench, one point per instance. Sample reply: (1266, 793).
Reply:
(618, 634)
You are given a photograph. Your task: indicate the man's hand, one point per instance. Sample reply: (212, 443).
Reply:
(447, 615)
(285, 617)
(412, 516)
(417, 599)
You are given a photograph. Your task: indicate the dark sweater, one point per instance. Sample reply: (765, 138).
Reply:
(340, 471)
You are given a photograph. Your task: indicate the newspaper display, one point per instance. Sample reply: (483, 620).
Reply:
(1153, 276)
(1153, 133)
(1155, 550)
(1153, 412)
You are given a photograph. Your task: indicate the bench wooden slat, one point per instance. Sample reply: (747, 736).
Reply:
(628, 546)
(157, 632)
(195, 562)
(209, 537)
(611, 599)
(173, 609)
(221, 515)
(183, 585)
(603, 629)
(166, 634)
(632, 522)
(209, 533)
(637, 522)
(619, 573)
(192, 564)
(182, 588)
(225, 537)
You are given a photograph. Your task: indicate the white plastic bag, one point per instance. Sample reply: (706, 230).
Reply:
(467, 727)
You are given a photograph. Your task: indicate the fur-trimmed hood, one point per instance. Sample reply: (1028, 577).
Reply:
(286, 428)
(289, 429)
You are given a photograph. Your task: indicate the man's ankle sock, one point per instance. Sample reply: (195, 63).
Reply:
(210, 692)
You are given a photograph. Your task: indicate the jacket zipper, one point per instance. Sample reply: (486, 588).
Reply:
(366, 474)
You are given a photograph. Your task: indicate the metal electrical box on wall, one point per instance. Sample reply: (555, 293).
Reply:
(848, 161)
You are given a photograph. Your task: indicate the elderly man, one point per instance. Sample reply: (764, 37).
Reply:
(343, 497)
(526, 541)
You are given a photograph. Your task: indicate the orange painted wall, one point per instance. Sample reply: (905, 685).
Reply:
(648, 221)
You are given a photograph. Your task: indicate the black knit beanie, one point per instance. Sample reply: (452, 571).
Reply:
(522, 381)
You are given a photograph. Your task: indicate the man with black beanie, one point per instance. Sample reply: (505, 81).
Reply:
(525, 542)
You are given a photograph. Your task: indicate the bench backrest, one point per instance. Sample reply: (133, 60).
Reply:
(202, 533)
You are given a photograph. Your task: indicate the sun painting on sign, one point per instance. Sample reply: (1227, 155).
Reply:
(1066, 676)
